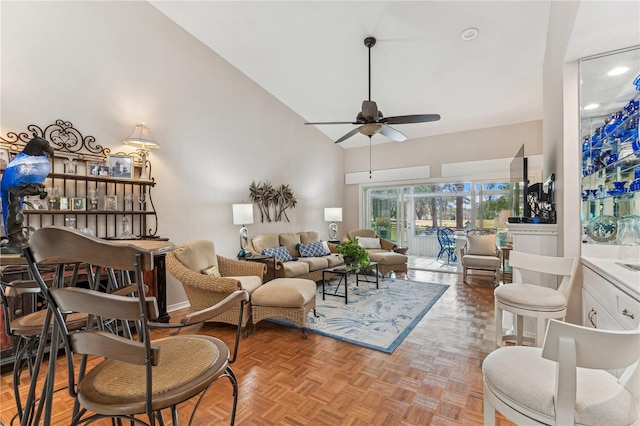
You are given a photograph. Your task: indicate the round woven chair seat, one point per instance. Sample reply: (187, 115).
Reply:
(31, 324)
(188, 364)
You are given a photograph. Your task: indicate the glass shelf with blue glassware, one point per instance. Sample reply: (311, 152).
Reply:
(611, 155)
(610, 146)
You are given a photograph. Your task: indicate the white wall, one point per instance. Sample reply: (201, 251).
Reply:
(106, 65)
(561, 20)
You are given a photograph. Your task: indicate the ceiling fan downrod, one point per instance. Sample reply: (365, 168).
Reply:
(370, 42)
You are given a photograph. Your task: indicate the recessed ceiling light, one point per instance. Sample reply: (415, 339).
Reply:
(617, 71)
(469, 34)
(591, 106)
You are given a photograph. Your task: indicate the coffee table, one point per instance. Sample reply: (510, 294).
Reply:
(344, 272)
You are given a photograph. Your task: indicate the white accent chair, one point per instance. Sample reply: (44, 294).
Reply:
(532, 300)
(480, 253)
(566, 381)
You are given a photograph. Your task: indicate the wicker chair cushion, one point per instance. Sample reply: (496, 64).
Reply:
(197, 255)
(261, 242)
(481, 245)
(388, 258)
(284, 293)
(249, 282)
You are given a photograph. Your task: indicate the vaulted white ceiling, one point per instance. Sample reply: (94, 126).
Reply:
(311, 56)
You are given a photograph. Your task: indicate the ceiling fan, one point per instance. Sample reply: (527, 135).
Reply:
(371, 121)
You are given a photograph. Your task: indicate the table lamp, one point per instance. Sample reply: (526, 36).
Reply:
(333, 215)
(243, 215)
(141, 139)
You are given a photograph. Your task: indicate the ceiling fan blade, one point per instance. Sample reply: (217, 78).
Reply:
(369, 110)
(333, 122)
(406, 119)
(348, 135)
(392, 133)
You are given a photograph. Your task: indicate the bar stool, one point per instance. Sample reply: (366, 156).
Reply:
(531, 300)
(28, 330)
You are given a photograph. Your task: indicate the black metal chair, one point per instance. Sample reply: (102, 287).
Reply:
(27, 329)
(447, 241)
(133, 381)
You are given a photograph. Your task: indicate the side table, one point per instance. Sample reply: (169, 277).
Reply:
(270, 261)
(504, 257)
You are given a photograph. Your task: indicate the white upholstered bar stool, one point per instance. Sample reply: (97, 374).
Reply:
(531, 300)
(567, 381)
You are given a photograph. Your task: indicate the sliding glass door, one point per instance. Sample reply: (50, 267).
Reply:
(411, 215)
(382, 216)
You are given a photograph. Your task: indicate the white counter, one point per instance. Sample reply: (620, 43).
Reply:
(625, 279)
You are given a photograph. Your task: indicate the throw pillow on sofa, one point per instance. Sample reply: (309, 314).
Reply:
(313, 250)
(369, 243)
(281, 253)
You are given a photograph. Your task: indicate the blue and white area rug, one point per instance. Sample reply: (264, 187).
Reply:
(374, 318)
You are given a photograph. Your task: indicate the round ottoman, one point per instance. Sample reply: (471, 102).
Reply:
(287, 298)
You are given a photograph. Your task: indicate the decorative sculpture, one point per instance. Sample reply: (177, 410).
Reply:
(23, 176)
(265, 196)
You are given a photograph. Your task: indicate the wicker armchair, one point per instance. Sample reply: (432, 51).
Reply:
(389, 256)
(187, 263)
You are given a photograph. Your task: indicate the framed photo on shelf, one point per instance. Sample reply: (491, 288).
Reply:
(79, 204)
(4, 158)
(110, 202)
(64, 203)
(35, 203)
(96, 169)
(121, 166)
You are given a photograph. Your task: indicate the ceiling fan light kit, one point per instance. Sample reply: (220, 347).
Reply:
(370, 129)
(370, 120)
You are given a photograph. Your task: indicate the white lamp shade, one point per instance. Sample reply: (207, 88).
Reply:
(141, 137)
(333, 214)
(242, 214)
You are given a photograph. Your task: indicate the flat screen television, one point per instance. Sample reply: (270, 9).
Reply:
(519, 182)
(548, 189)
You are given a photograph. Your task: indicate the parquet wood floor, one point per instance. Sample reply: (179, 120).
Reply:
(433, 378)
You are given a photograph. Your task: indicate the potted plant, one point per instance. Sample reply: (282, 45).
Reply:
(354, 256)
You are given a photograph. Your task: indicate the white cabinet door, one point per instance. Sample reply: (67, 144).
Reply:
(594, 315)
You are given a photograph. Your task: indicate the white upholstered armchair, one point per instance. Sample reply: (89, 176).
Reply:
(480, 253)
